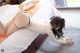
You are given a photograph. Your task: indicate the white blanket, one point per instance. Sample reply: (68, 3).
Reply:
(8, 12)
(18, 41)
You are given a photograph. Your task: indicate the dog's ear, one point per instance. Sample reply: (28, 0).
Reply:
(56, 34)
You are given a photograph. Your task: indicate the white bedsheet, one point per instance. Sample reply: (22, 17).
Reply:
(8, 12)
(18, 41)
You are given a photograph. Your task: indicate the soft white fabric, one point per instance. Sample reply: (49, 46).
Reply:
(46, 11)
(8, 12)
(18, 41)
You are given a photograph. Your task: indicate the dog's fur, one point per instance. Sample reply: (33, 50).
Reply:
(55, 21)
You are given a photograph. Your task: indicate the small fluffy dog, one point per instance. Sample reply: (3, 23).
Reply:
(52, 27)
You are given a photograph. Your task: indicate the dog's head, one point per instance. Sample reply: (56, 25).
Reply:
(57, 24)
